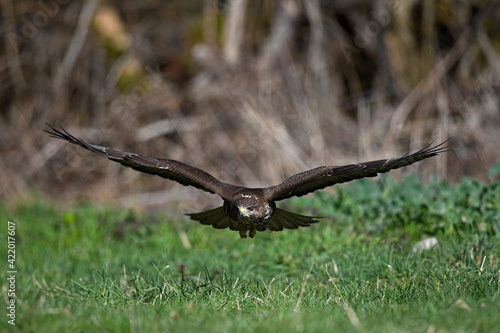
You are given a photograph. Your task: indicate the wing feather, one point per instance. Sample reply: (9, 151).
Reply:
(321, 177)
(216, 217)
(169, 169)
(283, 219)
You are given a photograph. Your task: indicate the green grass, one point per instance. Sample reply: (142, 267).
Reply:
(96, 269)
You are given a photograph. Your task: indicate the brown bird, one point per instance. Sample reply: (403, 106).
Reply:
(251, 209)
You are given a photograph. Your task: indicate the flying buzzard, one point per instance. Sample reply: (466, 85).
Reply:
(251, 209)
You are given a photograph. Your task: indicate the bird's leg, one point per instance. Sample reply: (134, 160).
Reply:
(252, 232)
(243, 233)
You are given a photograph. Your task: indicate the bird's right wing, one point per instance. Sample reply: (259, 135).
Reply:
(216, 217)
(170, 169)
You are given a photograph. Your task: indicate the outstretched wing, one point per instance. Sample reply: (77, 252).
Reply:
(170, 169)
(321, 177)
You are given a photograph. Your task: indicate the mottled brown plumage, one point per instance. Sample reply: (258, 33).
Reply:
(251, 209)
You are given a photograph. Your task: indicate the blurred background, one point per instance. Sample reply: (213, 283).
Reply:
(250, 91)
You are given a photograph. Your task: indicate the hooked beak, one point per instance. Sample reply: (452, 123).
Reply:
(243, 211)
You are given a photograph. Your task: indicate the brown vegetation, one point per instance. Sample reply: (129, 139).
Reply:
(252, 92)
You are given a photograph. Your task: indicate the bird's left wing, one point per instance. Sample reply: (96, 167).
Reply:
(283, 219)
(170, 169)
(321, 177)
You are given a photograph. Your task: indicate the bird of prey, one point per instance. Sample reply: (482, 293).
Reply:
(251, 209)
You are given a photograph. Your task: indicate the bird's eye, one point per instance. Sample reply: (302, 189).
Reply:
(250, 209)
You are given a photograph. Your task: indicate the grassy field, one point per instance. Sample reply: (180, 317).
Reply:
(97, 269)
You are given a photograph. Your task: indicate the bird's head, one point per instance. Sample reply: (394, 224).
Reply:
(247, 205)
(246, 211)
(252, 208)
